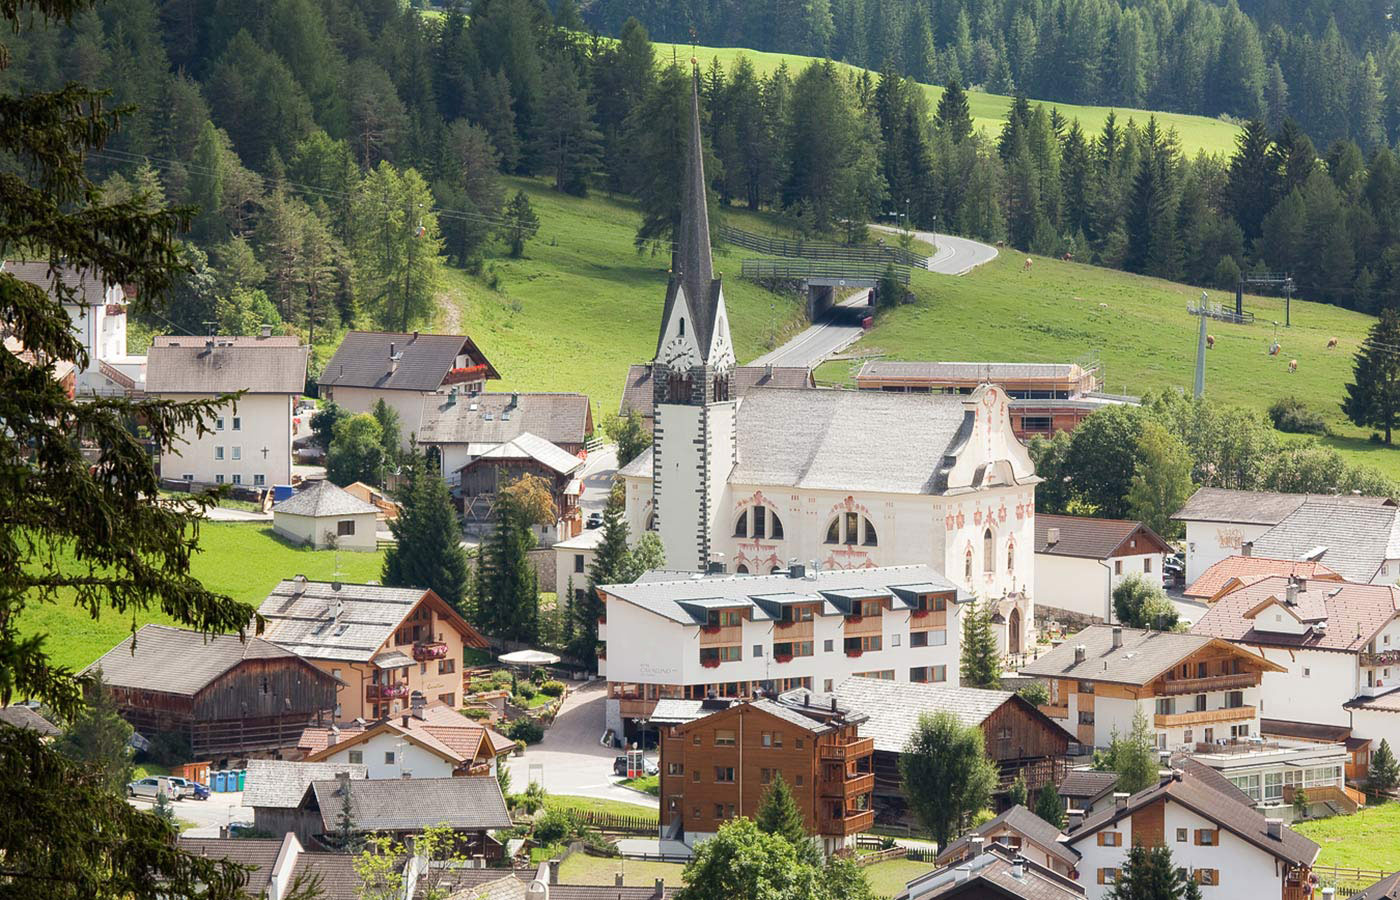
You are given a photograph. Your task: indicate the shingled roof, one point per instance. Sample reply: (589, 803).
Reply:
(1087, 784)
(1353, 539)
(1388, 888)
(961, 371)
(1352, 613)
(1251, 568)
(86, 283)
(639, 392)
(1140, 659)
(21, 716)
(464, 803)
(322, 498)
(992, 873)
(258, 854)
(362, 360)
(498, 417)
(1210, 504)
(535, 448)
(1091, 538)
(1023, 822)
(280, 783)
(180, 661)
(225, 365)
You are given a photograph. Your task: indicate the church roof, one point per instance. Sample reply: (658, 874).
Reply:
(694, 281)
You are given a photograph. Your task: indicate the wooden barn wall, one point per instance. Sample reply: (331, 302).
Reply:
(266, 687)
(1013, 732)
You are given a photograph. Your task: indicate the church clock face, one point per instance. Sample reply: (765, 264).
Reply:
(676, 354)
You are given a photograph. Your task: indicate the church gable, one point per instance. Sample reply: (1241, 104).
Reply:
(678, 348)
(721, 351)
(990, 454)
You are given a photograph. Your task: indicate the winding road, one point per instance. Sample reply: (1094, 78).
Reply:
(955, 255)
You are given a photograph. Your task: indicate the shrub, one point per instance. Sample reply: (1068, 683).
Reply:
(597, 845)
(501, 678)
(555, 826)
(552, 688)
(527, 730)
(539, 676)
(477, 714)
(525, 689)
(1292, 415)
(531, 800)
(1036, 692)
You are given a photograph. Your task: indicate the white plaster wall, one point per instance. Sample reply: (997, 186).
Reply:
(1093, 857)
(564, 570)
(265, 420)
(408, 404)
(1207, 543)
(1389, 573)
(408, 757)
(681, 489)
(1113, 713)
(1073, 583)
(322, 531)
(1315, 696)
(1376, 726)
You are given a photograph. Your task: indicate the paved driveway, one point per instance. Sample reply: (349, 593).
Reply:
(597, 476)
(570, 759)
(813, 345)
(207, 815)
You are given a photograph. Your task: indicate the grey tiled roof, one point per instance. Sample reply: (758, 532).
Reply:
(280, 783)
(336, 871)
(1388, 888)
(322, 498)
(258, 854)
(87, 283)
(1355, 538)
(20, 716)
(1091, 538)
(990, 875)
(362, 360)
(670, 598)
(179, 661)
(894, 707)
(1353, 614)
(530, 446)
(675, 711)
(1023, 822)
(639, 391)
(255, 368)
(1210, 504)
(1088, 784)
(465, 803)
(497, 417)
(1143, 656)
(237, 340)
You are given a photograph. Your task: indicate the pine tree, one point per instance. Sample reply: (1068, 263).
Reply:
(98, 738)
(1049, 806)
(609, 562)
(521, 223)
(779, 814)
(1384, 773)
(1149, 874)
(1253, 182)
(164, 810)
(981, 663)
(1017, 794)
(566, 144)
(1373, 396)
(427, 550)
(954, 115)
(509, 595)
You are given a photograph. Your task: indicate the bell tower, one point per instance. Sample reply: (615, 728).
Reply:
(693, 435)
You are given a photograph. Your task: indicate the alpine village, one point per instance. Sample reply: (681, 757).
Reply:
(621, 450)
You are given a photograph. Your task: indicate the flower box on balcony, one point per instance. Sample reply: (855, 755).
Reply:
(855, 619)
(854, 653)
(711, 663)
(782, 658)
(430, 650)
(709, 629)
(919, 614)
(465, 373)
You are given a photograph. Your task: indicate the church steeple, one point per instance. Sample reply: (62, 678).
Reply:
(696, 266)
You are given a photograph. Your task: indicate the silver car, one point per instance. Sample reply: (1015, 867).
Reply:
(150, 788)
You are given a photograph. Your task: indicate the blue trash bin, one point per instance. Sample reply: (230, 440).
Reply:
(281, 492)
(219, 779)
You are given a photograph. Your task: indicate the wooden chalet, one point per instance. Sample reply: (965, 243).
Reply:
(226, 697)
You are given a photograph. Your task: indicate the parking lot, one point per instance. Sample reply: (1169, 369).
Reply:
(206, 816)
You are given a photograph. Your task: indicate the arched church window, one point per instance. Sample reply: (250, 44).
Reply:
(678, 387)
(721, 388)
(775, 526)
(741, 569)
(967, 565)
(989, 560)
(833, 531)
(870, 540)
(851, 528)
(681, 320)
(741, 524)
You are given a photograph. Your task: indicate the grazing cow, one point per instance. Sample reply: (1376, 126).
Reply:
(1332, 344)
(1001, 243)
(1068, 257)
(1292, 366)
(1027, 267)
(1274, 348)
(1210, 342)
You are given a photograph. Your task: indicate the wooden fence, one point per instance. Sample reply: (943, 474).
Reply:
(866, 253)
(646, 825)
(1349, 880)
(812, 270)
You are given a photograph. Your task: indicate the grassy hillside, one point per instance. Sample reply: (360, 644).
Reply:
(1059, 311)
(243, 561)
(583, 304)
(989, 110)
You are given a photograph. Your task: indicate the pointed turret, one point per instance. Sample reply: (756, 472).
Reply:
(693, 243)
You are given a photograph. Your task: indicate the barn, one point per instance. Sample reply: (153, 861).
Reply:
(226, 697)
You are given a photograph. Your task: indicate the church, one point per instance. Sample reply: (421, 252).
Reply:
(828, 479)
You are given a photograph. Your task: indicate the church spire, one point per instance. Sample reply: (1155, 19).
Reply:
(696, 266)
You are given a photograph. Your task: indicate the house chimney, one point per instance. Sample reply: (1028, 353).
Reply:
(812, 571)
(659, 888)
(961, 874)
(298, 585)
(514, 400)
(554, 871)
(415, 337)
(393, 359)
(1275, 827)
(1052, 536)
(265, 330)
(975, 845)
(1076, 818)
(1247, 548)
(1329, 892)
(1117, 637)
(1291, 595)
(617, 880)
(405, 719)
(335, 585)
(1080, 653)
(833, 704)
(767, 370)
(1018, 868)
(797, 570)
(1120, 800)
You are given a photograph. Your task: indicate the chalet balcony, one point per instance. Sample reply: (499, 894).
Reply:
(386, 691)
(1204, 717)
(1383, 658)
(849, 788)
(426, 650)
(1174, 687)
(854, 822)
(793, 631)
(851, 750)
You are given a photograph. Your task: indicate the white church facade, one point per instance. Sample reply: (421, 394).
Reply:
(826, 479)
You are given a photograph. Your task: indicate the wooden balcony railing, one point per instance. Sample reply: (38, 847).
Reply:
(849, 788)
(850, 750)
(1204, 717)
(854, 822)
(857, 626)
(1344, 798)
(1172, 687)
(386, 691)
(429, 650)
(720, 635)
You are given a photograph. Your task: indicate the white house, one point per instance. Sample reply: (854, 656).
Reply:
(572, 559)
(1220, 522)
(430, 742)
(1213, 831)
(250, 442)
(322, 515)
(732, 634)
(98, 315)
(1359, 541)
(1272, 771)
(1336, 647)
(832, 479)
(1080, 560)
(462, 427)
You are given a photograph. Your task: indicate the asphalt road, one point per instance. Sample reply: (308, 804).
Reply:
(955, 255)
(812, 346)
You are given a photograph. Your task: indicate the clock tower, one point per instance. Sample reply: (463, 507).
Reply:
(693, 446)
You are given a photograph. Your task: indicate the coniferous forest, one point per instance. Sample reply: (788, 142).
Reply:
(338, 153)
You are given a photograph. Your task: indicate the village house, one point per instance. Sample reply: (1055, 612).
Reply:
(260, 856)
(1045, 397)
(1018, 831)
(719, 764)
(1220, 522)
(433, 741)
(224, 696)
(322, 516)
(460, 427)
(1191, 688)
(572, 559)
(1079, 561)
(1337, 649)
(1085, 789)
(273, 789)
(250, 443)
(1235, 571)
(97, 312)
(481, 481)
(1273, 771)
(1358, 541)
(387, 645)
(832, 479)
(1018, 737)
(733, 635)
(992, 874)
(639, 393)
(403, 370)
(1213, 831)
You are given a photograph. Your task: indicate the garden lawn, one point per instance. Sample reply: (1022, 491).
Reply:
(642, 807)
(1369, 839)
(989, 111)
(1059, 311)
(647, 784)
(243, 561)
(889, 878)
(584, 869)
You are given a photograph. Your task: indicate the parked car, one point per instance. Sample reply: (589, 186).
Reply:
(1174, 569)
(149, 788)
(620, 766)
(595, 520)
(190, 788)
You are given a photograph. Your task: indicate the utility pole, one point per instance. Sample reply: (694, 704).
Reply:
(1201, 352)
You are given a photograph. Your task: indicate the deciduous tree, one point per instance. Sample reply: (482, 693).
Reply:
(356, 452)
(946, 774)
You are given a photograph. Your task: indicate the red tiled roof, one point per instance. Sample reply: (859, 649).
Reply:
(1246, 568)
(1092, 538)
